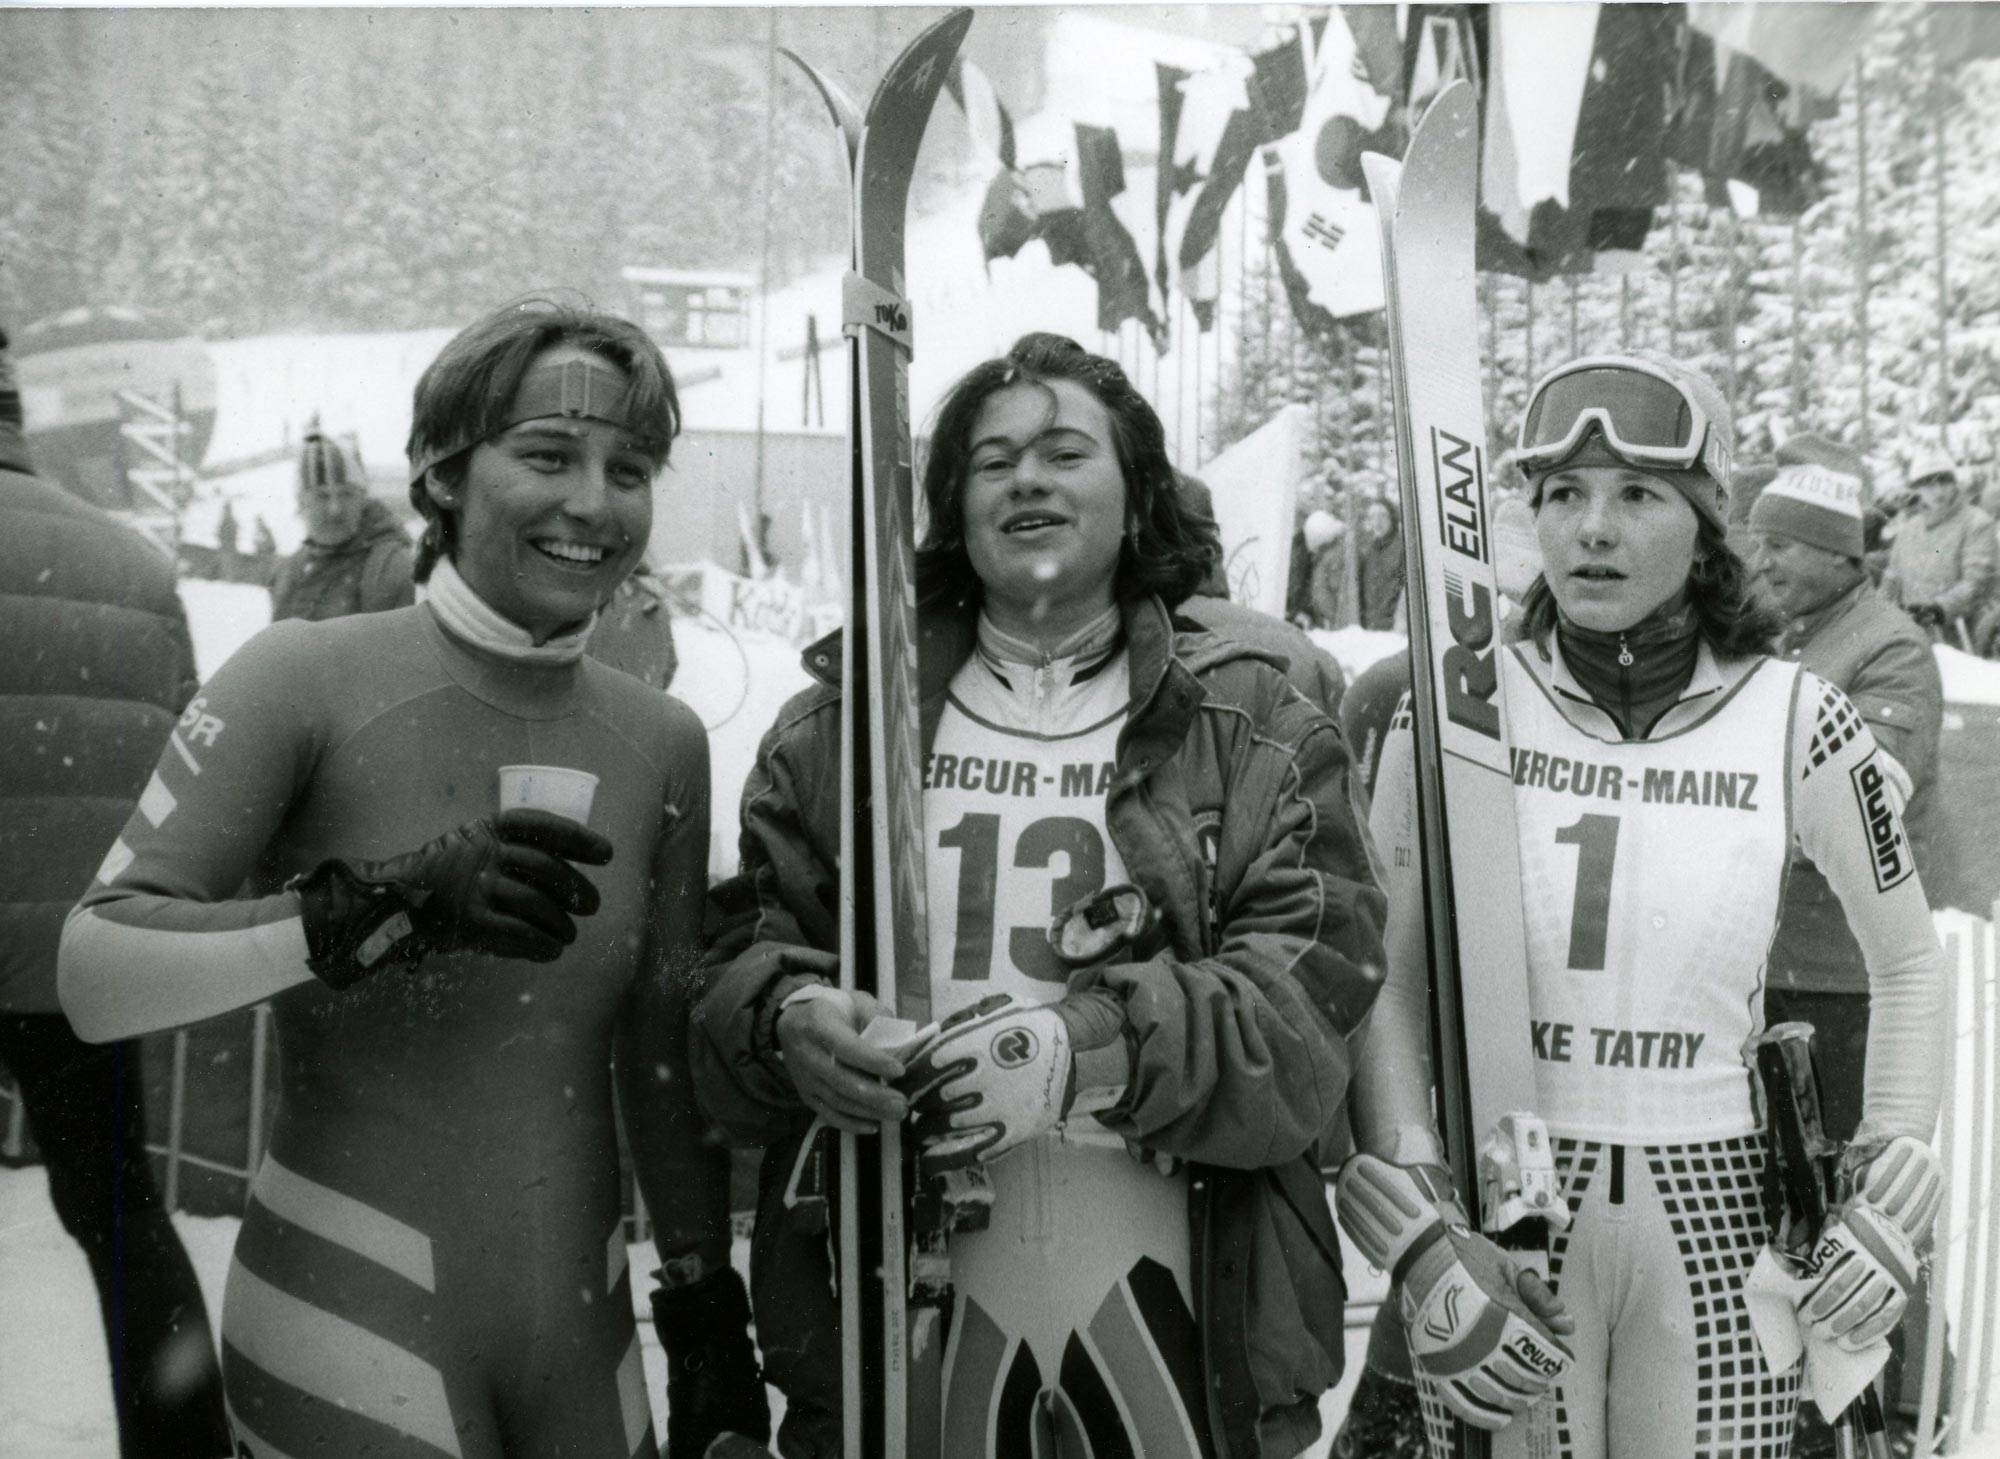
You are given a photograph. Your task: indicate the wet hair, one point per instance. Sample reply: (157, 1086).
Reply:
(465, 394)
(1164, 552)
(1727, 611)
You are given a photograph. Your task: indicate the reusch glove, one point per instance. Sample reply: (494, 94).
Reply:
(714, 1386)
(1001, 1072)
(1490, 1355)
(1865, 1269)
(503, 886)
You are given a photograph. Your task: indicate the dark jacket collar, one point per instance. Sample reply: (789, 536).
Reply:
(377, 523)
(1806, 625)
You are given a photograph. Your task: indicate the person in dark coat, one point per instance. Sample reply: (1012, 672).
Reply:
(1382, 566)
(101, 666)
(355, 559)
(1808, 527)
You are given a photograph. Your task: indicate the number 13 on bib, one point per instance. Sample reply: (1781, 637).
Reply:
(1465, 793)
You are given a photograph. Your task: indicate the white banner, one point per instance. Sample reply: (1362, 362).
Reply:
(1255, 484)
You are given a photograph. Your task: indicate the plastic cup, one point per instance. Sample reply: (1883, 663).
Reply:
(556, 789)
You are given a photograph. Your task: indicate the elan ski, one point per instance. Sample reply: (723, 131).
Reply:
(893, 1278)
(1498, 1149)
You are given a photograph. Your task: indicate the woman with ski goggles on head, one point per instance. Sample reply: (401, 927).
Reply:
(1146, 1082)
(433, 1259)
(1664, 765)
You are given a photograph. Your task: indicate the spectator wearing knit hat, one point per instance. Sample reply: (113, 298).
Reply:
(1942, 563)
(1808, 529)
(1326, 585)
(356, 558)
(1808, 526)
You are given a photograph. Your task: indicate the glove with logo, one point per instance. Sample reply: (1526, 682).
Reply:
(1865, 1263)
(1863, 1270)
(503, 886)
(1001, 1072)
(1487, 1334)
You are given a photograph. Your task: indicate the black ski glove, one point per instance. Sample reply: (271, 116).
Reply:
(714, 1385)
(503, 886)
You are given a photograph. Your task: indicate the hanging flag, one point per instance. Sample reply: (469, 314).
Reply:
(1057, 209)
(1802, 42)
(1618, 174)
(985, 117)
(1377, 47)
(1443, 44)
(1539, 58)
(1734, 122)
(1760, 138)
(1164, 182)
(1006, 217)
(1123, 290)
(1324, 223)
(1575, 161)
(1193, 120)
(1273, 99)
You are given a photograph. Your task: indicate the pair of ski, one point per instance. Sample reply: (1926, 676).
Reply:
(892, 1268)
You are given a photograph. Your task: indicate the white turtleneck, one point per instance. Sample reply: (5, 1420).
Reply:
(469, 618)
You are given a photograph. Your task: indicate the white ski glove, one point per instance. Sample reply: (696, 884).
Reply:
(1864, 1266)
(1863, 1269)
(1901, 1180)
(1001, 1072)
(1488, 1334)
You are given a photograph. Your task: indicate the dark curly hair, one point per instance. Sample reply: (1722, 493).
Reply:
(1728, 612)
(1164, 552)
(464, 395)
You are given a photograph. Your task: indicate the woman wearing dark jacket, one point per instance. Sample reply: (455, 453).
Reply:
(1078, 736)
(1382, 566)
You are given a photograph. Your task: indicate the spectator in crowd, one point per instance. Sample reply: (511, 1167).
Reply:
(635, 630)
(355, 558)
(1941, 564)
(1327, 582)
(1810, 543)
(1298, 580)
(1199, 504)
(102, 667)
(1382, 566)
(1313, 671)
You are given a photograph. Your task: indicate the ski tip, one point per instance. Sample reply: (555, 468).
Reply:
(846, 116)
(1452, 110)
(921, 69)
(1384, 176)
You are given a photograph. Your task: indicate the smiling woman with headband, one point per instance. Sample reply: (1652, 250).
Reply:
(347, 822)
(1666, 765)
